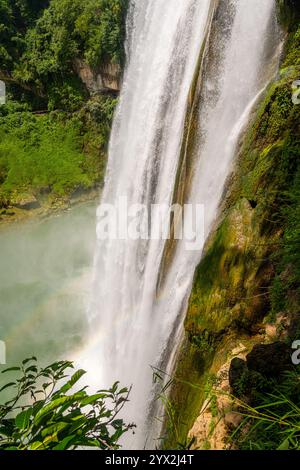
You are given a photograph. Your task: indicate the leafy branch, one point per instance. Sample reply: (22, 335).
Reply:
(45, 413)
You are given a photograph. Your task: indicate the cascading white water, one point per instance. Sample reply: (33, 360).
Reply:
(130, 324)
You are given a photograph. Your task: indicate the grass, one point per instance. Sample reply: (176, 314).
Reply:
(55, 153)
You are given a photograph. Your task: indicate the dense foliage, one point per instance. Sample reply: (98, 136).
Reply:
(41, 41)
(16, 17)
(63, 151)
(282, 126)
(272, 420)
(44, 412)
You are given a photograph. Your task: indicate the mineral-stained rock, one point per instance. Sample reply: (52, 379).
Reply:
(233, 419)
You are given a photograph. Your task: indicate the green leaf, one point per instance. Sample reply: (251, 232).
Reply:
(89, 442)
(78, 423)
(23, 418)
(58, 366)
(116, 436)
(37, 406)
(31, 376)
(117, 423)
(115, 387)
(36, 445)
(29, 359)
(6, 431)
(53, 406)
(73, 380)
(54, 429)
(11, 384)
(92, 399)
(46, 385)
(285, 445)
(31, 369)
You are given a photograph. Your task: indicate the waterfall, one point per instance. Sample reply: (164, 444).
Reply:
(135, 324)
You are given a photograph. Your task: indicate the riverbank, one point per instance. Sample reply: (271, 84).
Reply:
(50, 162)
(33, 210)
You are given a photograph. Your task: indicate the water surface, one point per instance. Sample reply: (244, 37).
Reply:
(45, 277)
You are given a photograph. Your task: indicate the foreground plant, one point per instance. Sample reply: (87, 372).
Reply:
(170, 426)
(45, 413)
(273, 420)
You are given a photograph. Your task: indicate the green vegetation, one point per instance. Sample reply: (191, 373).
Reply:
(251, 262)
(44, 413)
(272, 420)
(250, 274)
(52, 154)
(289, 12)
(16, 18)
(171, 429)
(54, 131)
(41, 40)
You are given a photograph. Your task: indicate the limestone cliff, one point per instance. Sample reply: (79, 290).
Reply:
(106, 78)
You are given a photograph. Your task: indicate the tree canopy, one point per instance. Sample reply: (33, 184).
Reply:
(44, 412)
(39, 40)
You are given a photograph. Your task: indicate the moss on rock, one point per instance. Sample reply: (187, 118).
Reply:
(236, 284)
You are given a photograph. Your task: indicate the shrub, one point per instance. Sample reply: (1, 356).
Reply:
(45, 413)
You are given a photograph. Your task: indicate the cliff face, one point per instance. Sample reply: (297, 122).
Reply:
(246, 288)
(104, 79)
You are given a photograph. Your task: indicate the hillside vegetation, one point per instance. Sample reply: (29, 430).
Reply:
(54, 128)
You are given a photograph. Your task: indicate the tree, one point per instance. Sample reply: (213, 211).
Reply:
(45, 413)
(16, 16)
(40, 41)
(93, 30)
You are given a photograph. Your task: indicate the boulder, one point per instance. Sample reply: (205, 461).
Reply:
(27, 203)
